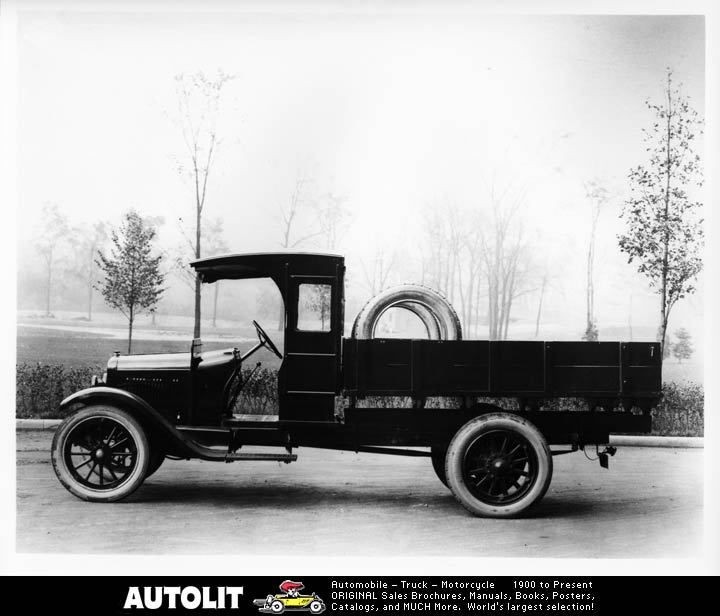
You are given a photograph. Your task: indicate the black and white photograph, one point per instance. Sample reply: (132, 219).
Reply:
(358, 280)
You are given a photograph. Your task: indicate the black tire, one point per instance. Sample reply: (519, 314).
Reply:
(498, 465)
(437, 456)
(107, 441)
(431, 307)
(157, 457)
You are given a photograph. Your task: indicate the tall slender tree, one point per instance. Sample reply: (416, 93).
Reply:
(293, 233)
(54, 230)
(597, 196)
(333, 216)
(376, 278)
(214, 244)
(87, 240)
(664, 231)
(452, 259)
(199, 98)
(133, 280)
(505, 258)
(290, 215)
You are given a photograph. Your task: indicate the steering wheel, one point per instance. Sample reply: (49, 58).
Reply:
(265, 339)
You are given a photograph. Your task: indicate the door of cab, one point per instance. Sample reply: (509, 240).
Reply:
(309, 375)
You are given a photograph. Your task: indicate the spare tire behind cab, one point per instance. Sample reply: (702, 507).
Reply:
(434, 310)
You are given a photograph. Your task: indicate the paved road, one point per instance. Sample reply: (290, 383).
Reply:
(336, 503)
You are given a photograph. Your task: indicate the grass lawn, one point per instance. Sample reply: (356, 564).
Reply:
(75, 349)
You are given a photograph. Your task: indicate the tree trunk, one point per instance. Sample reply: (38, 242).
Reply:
(493, 307)
(662, 330)
(89, 299)
(196, 328)
(664, 312)
(215, 301)
(91, 270)
(589, 317)
(198, 290)
(130, 331)
(477, 306)
(540, 303)
(49, 287)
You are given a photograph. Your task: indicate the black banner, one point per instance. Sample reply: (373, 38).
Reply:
(299, 595)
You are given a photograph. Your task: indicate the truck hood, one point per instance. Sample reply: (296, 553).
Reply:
(167, 361)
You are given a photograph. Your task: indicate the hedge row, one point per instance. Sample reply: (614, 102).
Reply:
(41, 387)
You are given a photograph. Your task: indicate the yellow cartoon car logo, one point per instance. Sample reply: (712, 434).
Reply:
(290, 599)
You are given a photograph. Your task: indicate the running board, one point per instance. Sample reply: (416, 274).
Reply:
(273, 457)
(195, 450)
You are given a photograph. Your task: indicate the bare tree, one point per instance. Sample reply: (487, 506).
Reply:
(290, 218)
(214, 243)
(88, 240)
(597, 196)
(452, 258)
(469, 265)
(504, 257)
(461, 249)
(664, 232)
(543, 286)
(54, 229)
(199, 99)
(434, 248)
(442, 242)
(382, 265)
(332, 219)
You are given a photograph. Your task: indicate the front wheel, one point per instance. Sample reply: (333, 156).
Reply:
(498, 465)
(100, 454)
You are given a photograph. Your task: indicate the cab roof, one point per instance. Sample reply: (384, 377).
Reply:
(267, 264)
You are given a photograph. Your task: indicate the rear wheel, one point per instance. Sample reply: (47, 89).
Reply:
(498, 465)
(100, 454)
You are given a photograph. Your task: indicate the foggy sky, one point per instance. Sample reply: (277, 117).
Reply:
(393, 111)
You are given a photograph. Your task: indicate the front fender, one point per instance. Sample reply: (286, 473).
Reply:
(148, 417)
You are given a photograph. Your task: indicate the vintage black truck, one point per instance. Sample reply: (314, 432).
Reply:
(496, 462)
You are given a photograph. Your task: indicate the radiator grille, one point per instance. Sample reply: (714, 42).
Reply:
(161, 393)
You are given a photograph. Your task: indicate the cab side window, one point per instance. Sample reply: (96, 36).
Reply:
(314, 304)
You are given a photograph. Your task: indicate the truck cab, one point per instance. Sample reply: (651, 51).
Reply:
(309, 375)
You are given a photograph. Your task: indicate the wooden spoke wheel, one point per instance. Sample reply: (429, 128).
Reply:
(498, 465)
(100, 454)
